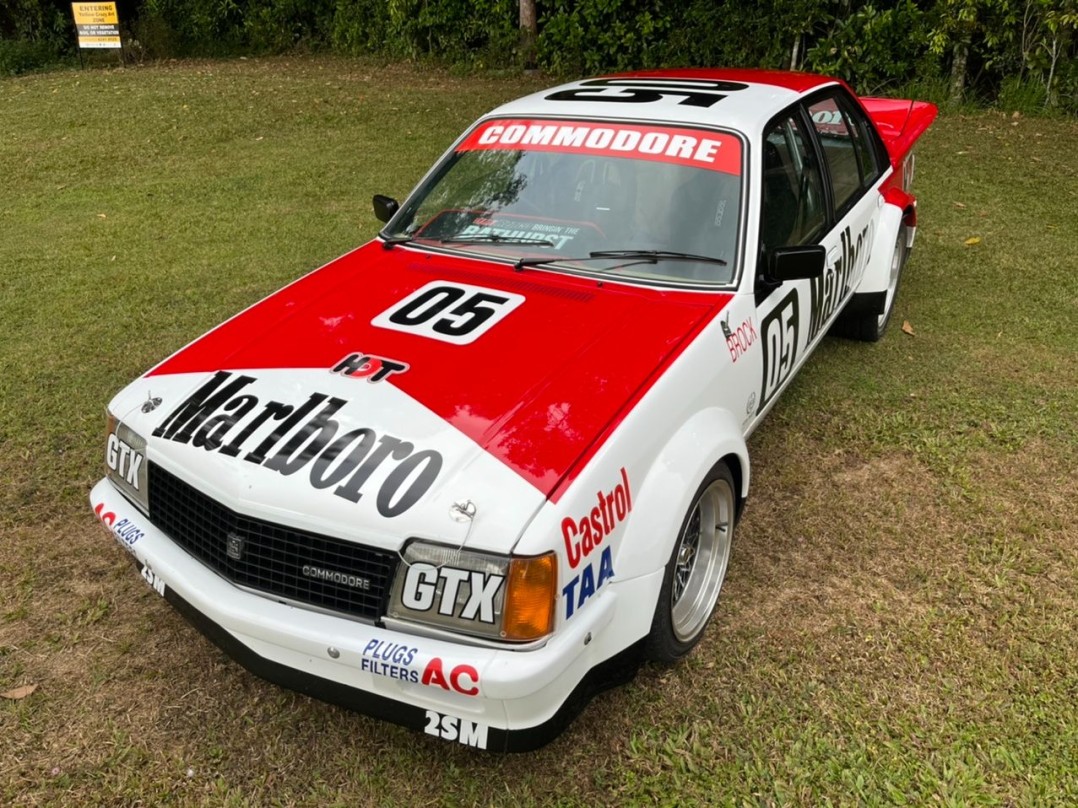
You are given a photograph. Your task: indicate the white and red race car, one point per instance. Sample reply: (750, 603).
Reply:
(470, 473)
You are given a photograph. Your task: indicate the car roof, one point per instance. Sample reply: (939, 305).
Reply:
(765, 93)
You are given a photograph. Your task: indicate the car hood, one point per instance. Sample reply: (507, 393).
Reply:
(504, 421)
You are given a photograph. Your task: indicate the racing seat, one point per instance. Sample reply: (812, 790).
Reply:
(705, 219)
(604, 194)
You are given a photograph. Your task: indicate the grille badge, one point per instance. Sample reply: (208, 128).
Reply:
(234, 546)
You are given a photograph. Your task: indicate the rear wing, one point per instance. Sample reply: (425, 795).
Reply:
(899, 122)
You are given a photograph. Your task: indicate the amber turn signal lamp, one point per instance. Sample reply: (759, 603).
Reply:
(529, 598)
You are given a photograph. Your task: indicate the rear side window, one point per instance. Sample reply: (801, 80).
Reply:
(851, 156)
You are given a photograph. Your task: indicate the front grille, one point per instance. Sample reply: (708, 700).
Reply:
(272, 556)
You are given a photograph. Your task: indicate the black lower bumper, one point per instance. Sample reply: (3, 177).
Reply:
(617, 670)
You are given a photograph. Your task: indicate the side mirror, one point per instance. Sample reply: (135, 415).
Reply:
(385, 207)
(796, 263)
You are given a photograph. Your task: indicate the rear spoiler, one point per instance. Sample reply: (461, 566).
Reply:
(899, 122)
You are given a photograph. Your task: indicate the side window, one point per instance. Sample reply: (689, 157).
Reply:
(863, 142)
(845, 139)
(793, 198)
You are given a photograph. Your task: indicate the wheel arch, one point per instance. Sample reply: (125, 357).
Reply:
(878, 271)
(907, 203)
(733, 462)
(663, 498)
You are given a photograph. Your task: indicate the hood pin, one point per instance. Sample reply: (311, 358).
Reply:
(462, 511)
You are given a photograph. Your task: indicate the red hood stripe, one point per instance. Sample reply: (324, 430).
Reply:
(541, 390)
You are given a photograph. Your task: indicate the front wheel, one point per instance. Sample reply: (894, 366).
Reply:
(696, 569)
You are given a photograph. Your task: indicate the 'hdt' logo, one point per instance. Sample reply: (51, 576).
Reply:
(371, 368)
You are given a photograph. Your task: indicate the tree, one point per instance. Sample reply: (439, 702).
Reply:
(529, 32)
(959, 21)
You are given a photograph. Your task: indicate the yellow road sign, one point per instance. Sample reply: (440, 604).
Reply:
(97, 25)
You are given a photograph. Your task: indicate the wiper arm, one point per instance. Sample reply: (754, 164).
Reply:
(636, 256)
(388, 242)
(494, 238)
(654, 256)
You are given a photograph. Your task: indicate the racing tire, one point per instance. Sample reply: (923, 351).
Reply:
(696, 569)
(870, 326)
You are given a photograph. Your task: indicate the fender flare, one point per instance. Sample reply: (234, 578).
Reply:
(873, 286)
(663, 499)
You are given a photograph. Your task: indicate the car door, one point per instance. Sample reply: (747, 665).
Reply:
(794, 213)
(851, 157)
(819, 172)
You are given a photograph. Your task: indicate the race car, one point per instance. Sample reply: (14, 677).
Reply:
(472, 472)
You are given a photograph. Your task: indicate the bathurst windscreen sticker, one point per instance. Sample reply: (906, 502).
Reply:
(542, 232)
(665, 144)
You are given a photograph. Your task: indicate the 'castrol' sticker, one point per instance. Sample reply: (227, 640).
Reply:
(688, 147)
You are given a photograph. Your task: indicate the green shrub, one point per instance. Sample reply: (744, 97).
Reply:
(360, 26)
(279, 25)
(156, 36)
(455, 30)
(22, 56)
(872, 48)
(1021, 95)
(169, 28)
(591, 36)
(726, 34)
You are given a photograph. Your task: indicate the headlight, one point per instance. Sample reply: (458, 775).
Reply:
(125, 461)
(486, 595)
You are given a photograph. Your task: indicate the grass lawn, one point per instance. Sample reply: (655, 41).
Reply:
(900, 619)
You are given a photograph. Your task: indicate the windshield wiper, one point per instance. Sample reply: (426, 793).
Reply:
(494, 238)
(635, 256)
(654, 256)
(389, 242)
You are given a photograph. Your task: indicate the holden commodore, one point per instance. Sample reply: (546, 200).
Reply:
(474, 471)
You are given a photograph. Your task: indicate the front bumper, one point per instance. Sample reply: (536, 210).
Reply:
(502, 700)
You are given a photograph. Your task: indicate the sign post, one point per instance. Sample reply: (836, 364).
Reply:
(97, 26)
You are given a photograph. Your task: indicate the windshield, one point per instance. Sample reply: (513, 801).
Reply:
(653, 203)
